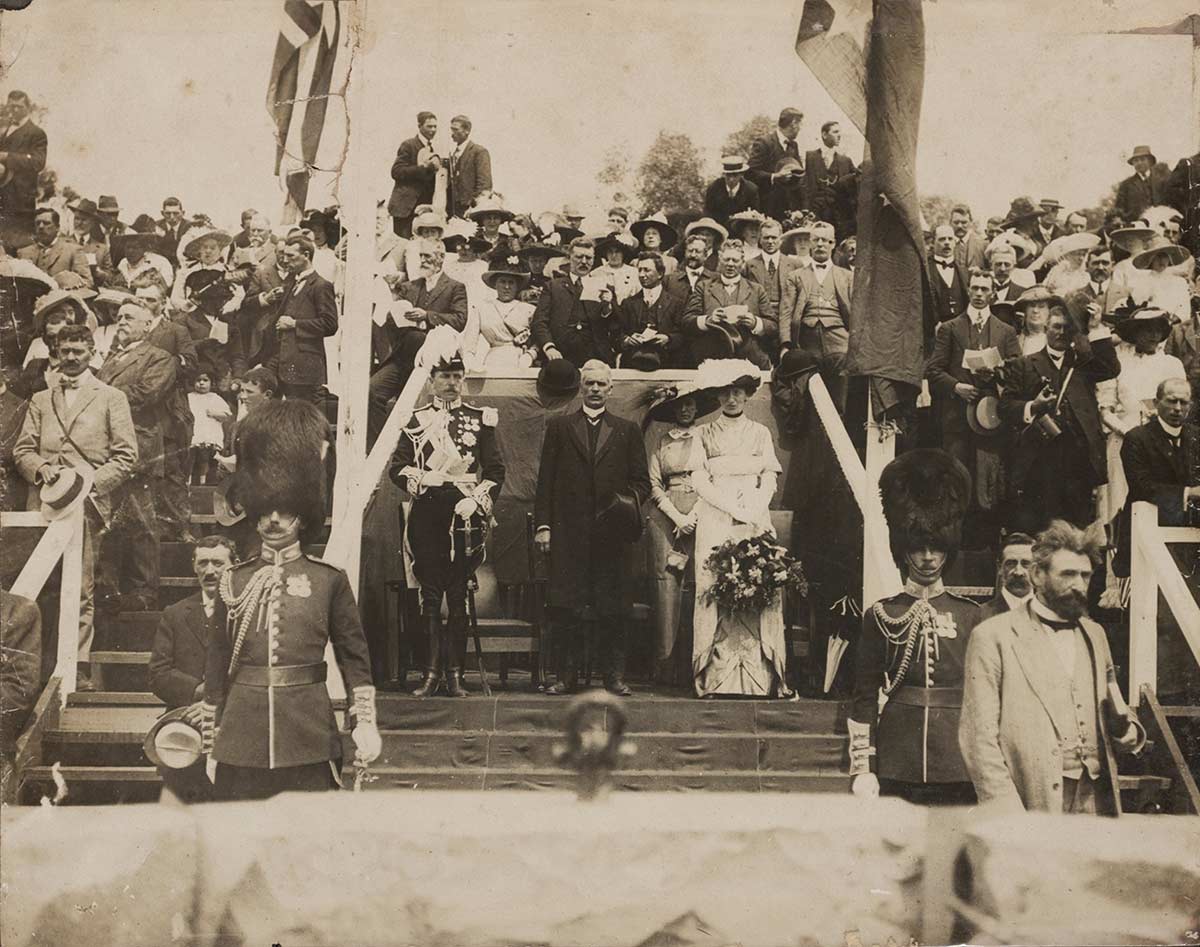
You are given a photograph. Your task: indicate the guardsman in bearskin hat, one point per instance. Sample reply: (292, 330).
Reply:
(447, 460)
(268, 722)
(909, 682)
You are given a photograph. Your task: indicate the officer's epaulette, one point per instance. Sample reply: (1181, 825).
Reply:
(318, 561)
(490, 417)
(962, 598)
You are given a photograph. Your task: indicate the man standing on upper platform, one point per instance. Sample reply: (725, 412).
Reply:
(448, 461)
(908, 690)
(268, 723)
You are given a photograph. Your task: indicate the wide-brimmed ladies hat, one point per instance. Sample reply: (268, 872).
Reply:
(717, 374)
(617, 241)
(1060, 247)
(659, 222)
(60, 297)
(706, 223)
(540, 251)
(1161, 245)
(1021, 210)
(506, 264)
(59, 498)
(489, 204)
(1133, 238)
(192, 247)
(1037, 294)
(1141, 319)
(742, 219)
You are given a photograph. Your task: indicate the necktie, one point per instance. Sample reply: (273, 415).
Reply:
(593, 434)
(944, 264)
(1056, 625)
(771, 268)
(71, 383)
(792, 148)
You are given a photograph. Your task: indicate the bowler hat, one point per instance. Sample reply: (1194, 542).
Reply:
(558, 377)
(173, 743)
(1141, 151)
(622, 513)
(642, 359)
(983, 417)
(795, 362)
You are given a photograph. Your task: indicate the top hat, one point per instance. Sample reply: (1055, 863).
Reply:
(1141, 151)
(172, 743)
(734, 164)
(558, 377)
(59, 498)
(659, 222)
(706, 223)
(506, 264)
(620, 241)
(1160, 245)
(1140, 318)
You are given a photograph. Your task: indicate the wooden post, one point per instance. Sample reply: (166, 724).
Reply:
(355, 367)
(68, 606)
(1143, 606)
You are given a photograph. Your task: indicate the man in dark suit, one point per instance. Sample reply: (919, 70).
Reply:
(470, 168)
(772, 269)
(780, 189)
(831, 182)
(1050, 397)
(146, 376)
(172, 225)
(22, 157)
(264, 290)
(81, 423)
(177, 658)
(306, 316)
(433, 299)
(173, 505)
(684, 280)
(947, 278)
(653, 309)
(971, 245)
(53, 253)
(414, 179)
(593, 475)
(571, 320)
(731, 193)
(729, 316)
(1144, 188)
(1006, 287)
(1048, 227)
(957, 389)
(1013, 565)
(814, 313)
(1098, 298)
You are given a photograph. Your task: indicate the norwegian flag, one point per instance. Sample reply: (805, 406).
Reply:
(304, 95)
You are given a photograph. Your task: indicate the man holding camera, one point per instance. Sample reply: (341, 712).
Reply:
(1050, 397)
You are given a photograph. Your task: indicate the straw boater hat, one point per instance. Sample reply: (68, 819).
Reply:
(1139, 319)
(172, 742)
(716, 374)
(506, 264)
(659, 222)
(192, 247)
(620, 241)
(734, 164)
(60, 498)
(489, 203)
(1161, 245)
(925, 494)
(662, 401)
(1050, 203)
(739, 221)
(706, 223)
(1141, 151)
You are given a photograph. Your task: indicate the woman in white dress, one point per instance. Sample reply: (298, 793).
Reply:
(496, 338)
(743, 651)
(1161, 285)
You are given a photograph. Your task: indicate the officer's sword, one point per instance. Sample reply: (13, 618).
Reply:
(472, 585)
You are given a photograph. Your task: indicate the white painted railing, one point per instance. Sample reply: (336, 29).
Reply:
(63, 539)
(1154, 570)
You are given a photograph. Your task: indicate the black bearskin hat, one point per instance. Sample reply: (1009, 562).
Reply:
(925, 493)
(281, 464)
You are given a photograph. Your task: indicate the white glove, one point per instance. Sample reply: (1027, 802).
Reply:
(368, 744)
(865, 786)
(466, 508)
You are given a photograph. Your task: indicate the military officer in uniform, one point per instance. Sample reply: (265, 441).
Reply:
(267, 721)
(447, 460)
(904, 721)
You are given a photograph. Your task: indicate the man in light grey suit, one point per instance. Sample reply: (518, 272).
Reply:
(81, 423)
(1042, 715)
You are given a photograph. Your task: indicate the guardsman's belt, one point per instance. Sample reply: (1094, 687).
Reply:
(928, 696)
(292, 675)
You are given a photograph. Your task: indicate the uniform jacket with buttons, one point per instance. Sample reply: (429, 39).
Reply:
(275, 727)
(915, 744)
(1015, 710)
(473, 432)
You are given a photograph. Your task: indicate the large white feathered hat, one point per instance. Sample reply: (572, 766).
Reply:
(442, 351)
(717, 373)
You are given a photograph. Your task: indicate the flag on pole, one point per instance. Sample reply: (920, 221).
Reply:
(830, 42)
(304, 96)
(890, 306)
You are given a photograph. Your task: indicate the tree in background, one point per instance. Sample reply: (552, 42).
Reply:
(616, 174)
(741, 141)
(669, 177)
(935, 208)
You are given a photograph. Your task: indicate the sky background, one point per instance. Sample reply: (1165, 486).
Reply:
(149, 97)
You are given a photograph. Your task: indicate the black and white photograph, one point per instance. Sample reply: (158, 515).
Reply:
(599, 473)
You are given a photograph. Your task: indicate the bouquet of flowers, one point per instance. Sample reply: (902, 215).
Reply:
(749, 573)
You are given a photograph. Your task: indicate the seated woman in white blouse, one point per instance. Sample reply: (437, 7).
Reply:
(496, 338)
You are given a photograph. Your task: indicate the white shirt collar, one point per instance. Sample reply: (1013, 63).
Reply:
(1013, 602)
(592, 412)
(1042, 610)
(131, 346)
(1171, 431)
(783, 140)
(432, 281)
(651, 295)
(85, 377)
(978, 316)
(304, 274)
(730, 283)
(771, 258)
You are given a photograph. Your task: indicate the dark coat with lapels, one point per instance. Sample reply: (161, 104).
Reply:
(180, 650)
